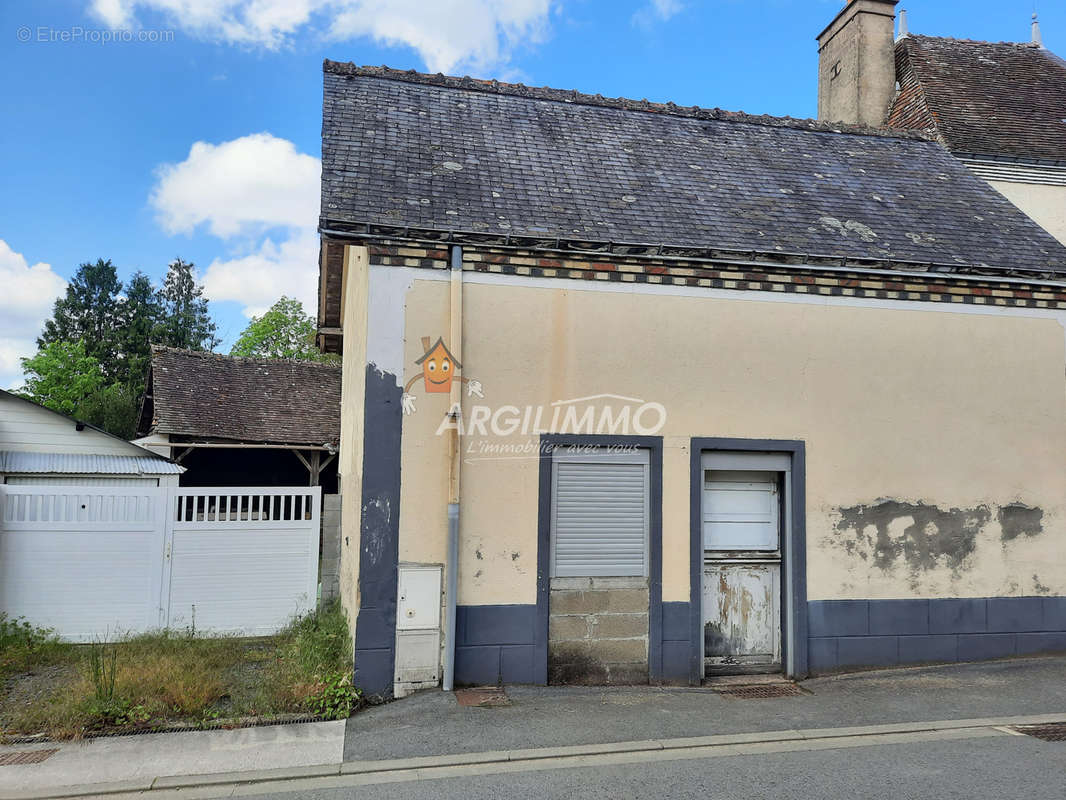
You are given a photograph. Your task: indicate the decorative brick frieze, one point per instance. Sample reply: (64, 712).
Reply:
(797, 279)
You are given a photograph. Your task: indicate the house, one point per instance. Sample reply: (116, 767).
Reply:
(249, 422)
(40, 446)
(998, 106)
(741, 393)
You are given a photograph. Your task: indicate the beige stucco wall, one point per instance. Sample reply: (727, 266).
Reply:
(920, 404)
(350, 455)
(1044, 204)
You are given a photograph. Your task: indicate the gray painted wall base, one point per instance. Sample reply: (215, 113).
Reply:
(495, 644)
(379, 536)
(876, 633)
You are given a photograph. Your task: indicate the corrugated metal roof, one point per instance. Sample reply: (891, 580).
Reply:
(84, 464)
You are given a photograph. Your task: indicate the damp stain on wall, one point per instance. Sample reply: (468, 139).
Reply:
(922, 536)
(1018, 519)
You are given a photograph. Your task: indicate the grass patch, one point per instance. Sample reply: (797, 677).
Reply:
(165, 678)
(24, 646)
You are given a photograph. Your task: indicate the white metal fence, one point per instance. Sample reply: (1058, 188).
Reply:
(94, 561)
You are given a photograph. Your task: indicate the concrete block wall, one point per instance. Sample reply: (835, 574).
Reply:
(598, 631)
(329, 560)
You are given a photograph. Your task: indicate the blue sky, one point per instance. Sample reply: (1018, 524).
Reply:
(202, 140)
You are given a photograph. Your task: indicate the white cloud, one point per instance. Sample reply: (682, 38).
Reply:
(657, 11)
(260, 196)
(447, 34)
(25, 303)
(259, 278)
(238, 187)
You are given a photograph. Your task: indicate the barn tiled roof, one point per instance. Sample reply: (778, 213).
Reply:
(407, 150)
(983, 98)
(212, 396)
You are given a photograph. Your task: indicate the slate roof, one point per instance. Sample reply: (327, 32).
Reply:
(983, 98)
(212, 396)
(408, 150)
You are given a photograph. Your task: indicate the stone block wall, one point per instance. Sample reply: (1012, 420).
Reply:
(329, 559)
(598, 631)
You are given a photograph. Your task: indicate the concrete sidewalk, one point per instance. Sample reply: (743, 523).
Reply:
(433, 723)
(132, 762)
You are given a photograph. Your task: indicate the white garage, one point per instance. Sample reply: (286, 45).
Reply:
(97, 539)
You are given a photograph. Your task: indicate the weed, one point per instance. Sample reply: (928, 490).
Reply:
(336, 699)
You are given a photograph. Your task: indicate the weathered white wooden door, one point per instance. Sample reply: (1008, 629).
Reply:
(742, 570)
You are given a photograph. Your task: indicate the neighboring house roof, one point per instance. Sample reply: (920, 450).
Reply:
(205, 396)
(34, 434)
(403, 150)
(983, 98)
(84, 464)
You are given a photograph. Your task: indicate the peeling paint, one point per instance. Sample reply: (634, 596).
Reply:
(1018, 519)
(922, 536)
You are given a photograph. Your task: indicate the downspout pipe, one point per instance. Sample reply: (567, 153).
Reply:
(455, 411)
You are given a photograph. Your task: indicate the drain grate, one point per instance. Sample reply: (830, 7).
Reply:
(1055, 732)
(767, 690)
(483, 697)
(26, 757)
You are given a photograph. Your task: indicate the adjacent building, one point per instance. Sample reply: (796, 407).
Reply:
(1000, 107)
(635, 392)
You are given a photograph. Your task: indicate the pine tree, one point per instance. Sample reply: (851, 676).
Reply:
(139, 318)
(87, 313)
(186, 320)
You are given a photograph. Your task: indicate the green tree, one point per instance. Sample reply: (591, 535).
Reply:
(62, 375)
(87, 313)
(284, 331)
(186, 321)
(114, 408)
(139, 319)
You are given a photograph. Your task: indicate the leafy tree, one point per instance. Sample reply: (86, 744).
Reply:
(114, 408)
(186, 321)
(62, 375)
(284, 331)
(87, 313)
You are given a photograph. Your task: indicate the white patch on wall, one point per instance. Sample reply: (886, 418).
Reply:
(386, 315)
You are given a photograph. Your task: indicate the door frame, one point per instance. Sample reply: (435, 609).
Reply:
(794, 551)
(654, 446)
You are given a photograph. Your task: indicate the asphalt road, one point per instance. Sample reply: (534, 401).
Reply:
(970, 769)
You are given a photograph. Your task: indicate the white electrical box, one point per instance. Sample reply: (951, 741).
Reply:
(418, 604)
(418, 608)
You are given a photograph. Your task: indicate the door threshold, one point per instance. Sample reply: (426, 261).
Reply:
(715, 670)
(719, 681)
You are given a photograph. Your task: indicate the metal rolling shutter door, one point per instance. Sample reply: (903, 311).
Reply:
(600, 519)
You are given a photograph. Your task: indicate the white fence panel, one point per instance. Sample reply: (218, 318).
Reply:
(243, 560)
(94, 561)
(85, 561)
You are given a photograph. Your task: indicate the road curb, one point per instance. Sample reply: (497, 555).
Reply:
(410, 765)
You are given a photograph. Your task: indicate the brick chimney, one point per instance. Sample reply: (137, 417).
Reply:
(857, 63)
